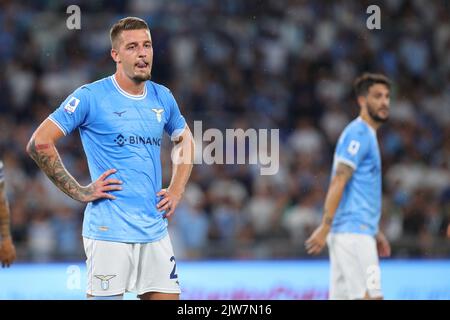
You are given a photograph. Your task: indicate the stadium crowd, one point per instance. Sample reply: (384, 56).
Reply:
(286, 65)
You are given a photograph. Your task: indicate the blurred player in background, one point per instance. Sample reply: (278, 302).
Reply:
(7, 250)
(121, 120)
(352, 206)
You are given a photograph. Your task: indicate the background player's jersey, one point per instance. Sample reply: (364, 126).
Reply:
(124, 132)
(359, 210)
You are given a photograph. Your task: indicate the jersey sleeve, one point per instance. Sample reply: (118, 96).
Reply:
(175, 123)
(352, 147)
(73, 112)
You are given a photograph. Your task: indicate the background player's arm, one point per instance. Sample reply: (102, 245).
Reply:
(182, 163)
(7, 250)
(42, 150)
(383, 246)
(316, 242)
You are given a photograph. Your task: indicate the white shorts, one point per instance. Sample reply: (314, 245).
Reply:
(114, 268)
(355, 269)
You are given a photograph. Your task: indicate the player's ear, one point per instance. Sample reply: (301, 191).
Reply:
(361, 100)
(115, 55)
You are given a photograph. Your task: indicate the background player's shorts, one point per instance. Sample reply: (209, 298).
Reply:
(115, 267)
(355, 269)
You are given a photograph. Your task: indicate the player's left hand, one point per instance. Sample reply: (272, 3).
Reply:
(7, 252)
(317, 241)
(383, 246)
(169, 202)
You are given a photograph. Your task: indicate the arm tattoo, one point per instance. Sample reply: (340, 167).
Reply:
(51, 164)
(344, 171)
(4, 213)
(327, 219)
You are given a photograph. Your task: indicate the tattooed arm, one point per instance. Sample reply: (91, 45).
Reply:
(42, 150)
(7, 250)
(335, 191)
(316, 242)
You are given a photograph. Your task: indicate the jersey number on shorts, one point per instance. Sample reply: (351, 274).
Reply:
(173, 275)
(373, 277)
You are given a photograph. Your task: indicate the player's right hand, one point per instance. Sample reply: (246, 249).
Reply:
(99, 188)
(316, 242)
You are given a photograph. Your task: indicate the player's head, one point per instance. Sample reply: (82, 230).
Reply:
(373, 94)
(132, 48)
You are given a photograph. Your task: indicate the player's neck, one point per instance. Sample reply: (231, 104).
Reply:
(128, 85)
(367, 119)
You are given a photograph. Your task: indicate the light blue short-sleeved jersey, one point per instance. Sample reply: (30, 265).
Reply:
(124, 132)
(359, 210)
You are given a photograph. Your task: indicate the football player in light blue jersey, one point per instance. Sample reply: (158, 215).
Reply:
(352, 206)
(7, 249)
(121, 120)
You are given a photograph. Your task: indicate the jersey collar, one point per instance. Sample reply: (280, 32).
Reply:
(126, 94)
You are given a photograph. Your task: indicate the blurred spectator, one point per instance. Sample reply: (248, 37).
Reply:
(66, 232)
(190, 225)
(41, 237)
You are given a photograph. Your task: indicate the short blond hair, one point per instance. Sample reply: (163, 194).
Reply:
(128, 23)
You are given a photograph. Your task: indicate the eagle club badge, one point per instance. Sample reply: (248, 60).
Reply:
(104, 280)
(158, 113)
